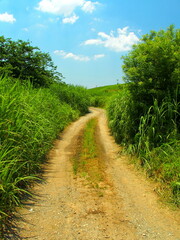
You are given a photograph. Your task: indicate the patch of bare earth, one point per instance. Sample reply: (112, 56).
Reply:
(69, 208)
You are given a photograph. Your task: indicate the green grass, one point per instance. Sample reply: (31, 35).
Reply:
(153, 138)
(30, 119)
(107, 89)
(76, 96)
(101, 95)
(87, 162)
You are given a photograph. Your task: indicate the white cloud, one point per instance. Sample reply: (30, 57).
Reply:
(53, 20)
(73, 56)
(123, 40)
(93, 29)
(93, 42)
(26, 29)
(97, 19)
(89, 6)
(6, 17)
(71, 20)
(39, 25)
(98, 56)
(65, 7)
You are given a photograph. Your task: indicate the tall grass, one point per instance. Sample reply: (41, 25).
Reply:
(30, 119)
(162, 163)
(153, 137)
(76, 96)
(120, 111)
(159, 125)
(158, 146)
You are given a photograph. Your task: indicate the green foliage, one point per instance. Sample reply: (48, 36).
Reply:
(153, 69)
(145, 117)
(162, 163)
(152, 100)
(120, 115)
(157, 126)
(76, 96)
(20, 60)
(156, 141)
(30, 119)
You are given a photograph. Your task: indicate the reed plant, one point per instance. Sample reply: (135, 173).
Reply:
(120, 112)
(153, 137)
(158, 126)
(76, 96)
(30, 119)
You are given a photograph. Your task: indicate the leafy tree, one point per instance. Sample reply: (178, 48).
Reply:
(21, 60)
(152, 71)
(153, 68)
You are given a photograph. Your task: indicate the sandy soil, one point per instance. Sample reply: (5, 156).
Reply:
(68, 208)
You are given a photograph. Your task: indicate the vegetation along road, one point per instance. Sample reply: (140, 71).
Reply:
(91, 192)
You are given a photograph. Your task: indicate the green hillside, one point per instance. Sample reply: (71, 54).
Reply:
(101, 95)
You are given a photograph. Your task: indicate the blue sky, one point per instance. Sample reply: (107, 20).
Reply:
(86, 39)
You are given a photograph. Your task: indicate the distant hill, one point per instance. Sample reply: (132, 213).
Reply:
(101, 95)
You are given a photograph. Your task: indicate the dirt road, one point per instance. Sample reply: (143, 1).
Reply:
(68, 208)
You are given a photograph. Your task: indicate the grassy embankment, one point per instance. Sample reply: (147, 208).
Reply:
(30, 119)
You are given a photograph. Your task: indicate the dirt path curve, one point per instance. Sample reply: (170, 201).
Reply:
(67, 208)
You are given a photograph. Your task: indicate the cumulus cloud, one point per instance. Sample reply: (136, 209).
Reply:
(98, 56)
(75, 57)
(65, 7)
(6, 17)
(70, 20)
(120, 42)
(89, 6)
(53, 20)
(25, 29)
(71, 55)
(93, 42)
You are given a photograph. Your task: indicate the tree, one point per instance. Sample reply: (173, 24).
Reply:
(21, 60)
(152, 68)
(152, 73)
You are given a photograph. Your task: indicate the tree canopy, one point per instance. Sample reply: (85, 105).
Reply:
(21, 60)
(153, 67)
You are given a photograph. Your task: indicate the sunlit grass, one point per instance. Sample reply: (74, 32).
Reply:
(101, 95)
(30, 119)
(153, 138)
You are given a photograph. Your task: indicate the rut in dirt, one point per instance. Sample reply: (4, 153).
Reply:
(116, 203)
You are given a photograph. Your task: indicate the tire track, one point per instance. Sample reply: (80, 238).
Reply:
(68, 208)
